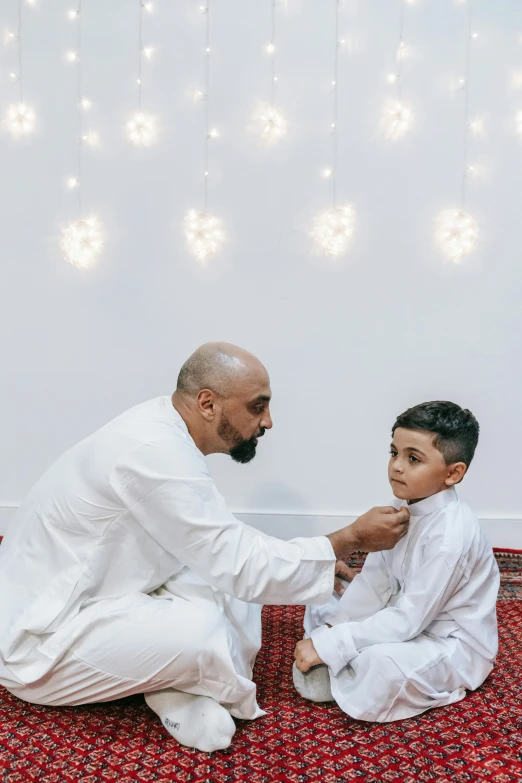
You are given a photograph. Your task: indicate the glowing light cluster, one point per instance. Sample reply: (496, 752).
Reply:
(457, 230)
(20, 119)
(270, 123)
(82, 241)
(397, 116)
(204, 234)
(457, 234)
(396, 119)
(333, 229)
(142, 129)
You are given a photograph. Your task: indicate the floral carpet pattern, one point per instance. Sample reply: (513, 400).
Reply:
(478, 739)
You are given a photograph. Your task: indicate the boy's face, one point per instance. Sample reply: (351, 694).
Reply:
(416, 468)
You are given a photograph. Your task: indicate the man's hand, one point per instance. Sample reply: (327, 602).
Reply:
(342, 572)
(380, 528)
(305, 655)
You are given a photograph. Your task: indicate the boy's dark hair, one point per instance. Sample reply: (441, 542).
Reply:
(456, 429)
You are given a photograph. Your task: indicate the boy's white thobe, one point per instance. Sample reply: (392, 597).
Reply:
(417, 627)
(123, 572)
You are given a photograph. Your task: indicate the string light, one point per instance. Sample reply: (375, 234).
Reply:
(82, 240)
(20, 119)
(142, 128)
(333, 228)
(476, 126)
(457, 233)
(397, 116)
(269, 122)
(204, 232)
(91, 138)
(456, 230)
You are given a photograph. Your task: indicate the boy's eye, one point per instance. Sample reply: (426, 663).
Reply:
(393, 452)
(413, 459)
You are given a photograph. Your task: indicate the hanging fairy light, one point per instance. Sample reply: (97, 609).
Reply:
(397, 116)
(20, 118)
(82, 240)
(456, 230)
(204, 232)
(332, 229)
(269, 122)
(142, 128)
(457, 233)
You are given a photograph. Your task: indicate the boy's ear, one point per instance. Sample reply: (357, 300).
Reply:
(456, 473)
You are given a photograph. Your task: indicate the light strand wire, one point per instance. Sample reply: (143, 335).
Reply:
(207, 96)
(272, 41)
(19, 36)
(401, 51)
(79, 88)
(335, 105)
(140, 51)
(467, 75)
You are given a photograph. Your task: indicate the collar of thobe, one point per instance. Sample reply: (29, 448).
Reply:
(428, 505)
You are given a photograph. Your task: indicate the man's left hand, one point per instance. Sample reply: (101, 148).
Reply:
(305, 655)
(342, 572)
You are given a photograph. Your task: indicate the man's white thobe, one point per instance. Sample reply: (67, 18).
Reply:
(123, 572)
(417, 627)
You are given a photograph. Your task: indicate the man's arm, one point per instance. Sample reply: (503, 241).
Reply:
(179, 506)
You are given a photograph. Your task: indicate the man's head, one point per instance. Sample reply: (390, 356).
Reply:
(223, 393)
(432, 447)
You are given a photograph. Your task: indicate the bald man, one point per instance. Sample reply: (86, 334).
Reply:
(123, 572)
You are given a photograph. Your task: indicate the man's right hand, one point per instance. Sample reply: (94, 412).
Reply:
(380, 528)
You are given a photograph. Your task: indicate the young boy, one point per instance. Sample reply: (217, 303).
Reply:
(417, 627)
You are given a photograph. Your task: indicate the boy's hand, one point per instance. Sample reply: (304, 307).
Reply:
(305, 655)
(342, 572)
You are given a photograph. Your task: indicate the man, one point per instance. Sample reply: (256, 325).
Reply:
(123, 572)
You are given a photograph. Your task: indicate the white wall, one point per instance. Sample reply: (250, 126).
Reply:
(348, 344)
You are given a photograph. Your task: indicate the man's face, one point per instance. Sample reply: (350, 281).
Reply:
(416, 468)
(244, 418)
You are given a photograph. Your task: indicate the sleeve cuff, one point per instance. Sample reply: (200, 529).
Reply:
(327, 649)
(319, 550)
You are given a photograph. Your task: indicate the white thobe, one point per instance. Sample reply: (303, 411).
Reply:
(417, 627)
(123, 572)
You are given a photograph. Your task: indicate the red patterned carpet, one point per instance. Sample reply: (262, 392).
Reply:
(477, 739)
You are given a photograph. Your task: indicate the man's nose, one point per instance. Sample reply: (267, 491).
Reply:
(266, 421)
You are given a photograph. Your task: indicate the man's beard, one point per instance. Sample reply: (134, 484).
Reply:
(241, 450)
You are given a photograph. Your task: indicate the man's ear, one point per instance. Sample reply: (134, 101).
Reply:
(456, 473)
(206, 402)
